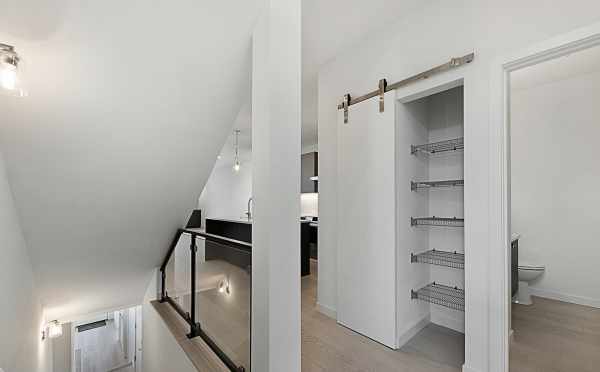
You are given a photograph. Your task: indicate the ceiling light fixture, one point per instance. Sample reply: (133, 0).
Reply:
(10, 82)
(236, 161)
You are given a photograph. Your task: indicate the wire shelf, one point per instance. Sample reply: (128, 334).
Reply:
(437, 221)
(440, 258)
(450, 297)
(419, 185)
(436, 147)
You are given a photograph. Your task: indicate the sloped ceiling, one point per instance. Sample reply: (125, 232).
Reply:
(129, 104)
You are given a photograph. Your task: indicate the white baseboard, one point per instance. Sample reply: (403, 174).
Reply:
(327, 311)
(412, 329)
(453, 323)
(573, 299)
(469, 369)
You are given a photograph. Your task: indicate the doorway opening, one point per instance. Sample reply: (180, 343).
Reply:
(553, 123)
(106, 342)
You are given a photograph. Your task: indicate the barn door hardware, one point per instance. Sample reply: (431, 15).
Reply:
(383, 86)
(345, 104)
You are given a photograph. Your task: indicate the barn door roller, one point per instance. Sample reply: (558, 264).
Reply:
(383, 86)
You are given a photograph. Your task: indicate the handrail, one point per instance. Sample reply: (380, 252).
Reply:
(190, 317)
(115, 369)
(171, 249)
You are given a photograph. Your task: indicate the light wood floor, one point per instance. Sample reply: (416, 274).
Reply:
(550, 336)
(554, 336)
(327, 346)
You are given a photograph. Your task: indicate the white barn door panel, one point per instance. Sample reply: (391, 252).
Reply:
(367, 221)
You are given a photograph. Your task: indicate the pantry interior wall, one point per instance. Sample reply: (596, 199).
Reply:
(437, 117)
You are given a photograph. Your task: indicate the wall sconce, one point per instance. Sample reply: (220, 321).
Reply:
(224, 287)
(52, 330)
(10, 79)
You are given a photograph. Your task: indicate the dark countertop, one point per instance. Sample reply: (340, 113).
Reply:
(247, 221)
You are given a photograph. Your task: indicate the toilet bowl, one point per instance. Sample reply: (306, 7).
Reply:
(527, 274)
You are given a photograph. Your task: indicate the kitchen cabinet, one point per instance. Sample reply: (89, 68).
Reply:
(241, 231)
(309, 168)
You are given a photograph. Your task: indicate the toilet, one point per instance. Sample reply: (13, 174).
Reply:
(527, 274)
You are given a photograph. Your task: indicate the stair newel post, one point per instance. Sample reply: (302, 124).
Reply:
(194, 327)
(163, 288)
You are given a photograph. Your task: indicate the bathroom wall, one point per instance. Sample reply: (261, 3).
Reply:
(555, 174)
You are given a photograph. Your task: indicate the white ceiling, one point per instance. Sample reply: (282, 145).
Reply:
(330, 27)
(129, 105)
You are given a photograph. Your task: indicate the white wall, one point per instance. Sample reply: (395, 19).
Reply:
(554, 170)
(161, 350)
(21, 319)
(309, 204)
(446, 122)
(226, 193)
(61, 350)
(418, 41)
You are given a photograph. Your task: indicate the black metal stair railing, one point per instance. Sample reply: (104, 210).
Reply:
(190, 316)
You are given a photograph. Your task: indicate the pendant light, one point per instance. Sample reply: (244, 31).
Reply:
(236, 161)
(10, 82)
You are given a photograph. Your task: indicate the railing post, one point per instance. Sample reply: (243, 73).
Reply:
(163, 289)
(194, 327)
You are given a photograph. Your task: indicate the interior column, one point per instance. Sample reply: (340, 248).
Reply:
(276, 151)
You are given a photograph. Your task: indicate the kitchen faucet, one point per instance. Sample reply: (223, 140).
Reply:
(249, 211)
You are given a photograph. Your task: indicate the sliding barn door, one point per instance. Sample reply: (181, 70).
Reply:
(367, 221)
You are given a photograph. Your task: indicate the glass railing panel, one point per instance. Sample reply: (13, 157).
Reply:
(178, 274)
(223, 298)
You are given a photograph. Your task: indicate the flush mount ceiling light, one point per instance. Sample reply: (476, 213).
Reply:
(10, 82)
(236, 161)
(52, 330)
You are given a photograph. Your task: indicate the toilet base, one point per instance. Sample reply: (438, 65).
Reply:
(523, 297)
